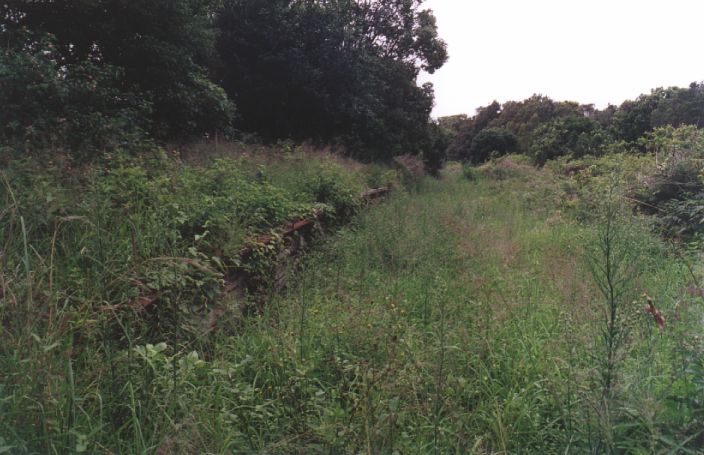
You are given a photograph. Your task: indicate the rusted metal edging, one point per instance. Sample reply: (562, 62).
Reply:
(304, 223)
(236, 278)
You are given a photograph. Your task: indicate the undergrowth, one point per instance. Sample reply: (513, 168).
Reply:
(468, 316)
(97, 265)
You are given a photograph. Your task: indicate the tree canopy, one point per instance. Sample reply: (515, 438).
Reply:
(330, 70)
(334, 71)
(161, 48)
(546, 129)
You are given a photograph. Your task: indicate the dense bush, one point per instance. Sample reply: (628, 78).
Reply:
(491, 142)
(155, 227)
(158, 51)
(571, 136)
(342, 71)
(76, 109)
(434, 149)
(507, 167)
(546, 129)
(676, 190)
(469, 173)
(467, 128)
(672, 106)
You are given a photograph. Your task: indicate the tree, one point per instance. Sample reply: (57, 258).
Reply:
(632, 119)
(467, 130)
(679, 106)
(435, 149)
(162, 49)
(328, 70)
(524, 117)
(575, 136)
(331, 69)
(75, 109)
(491, 141)
(521, 118)
(453, 123)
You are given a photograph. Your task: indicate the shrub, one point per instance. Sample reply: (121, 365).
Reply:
(506, 167)
(148, 230)
(491, 142)
(379, 176)
(333, 187)
(469, 173)
(566, 136)
(411, 170)
(75, 108)
(675, 190)
(435, 150)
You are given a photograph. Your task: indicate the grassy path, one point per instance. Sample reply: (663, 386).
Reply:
(463, 318)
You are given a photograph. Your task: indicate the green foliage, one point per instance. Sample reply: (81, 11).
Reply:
(76, 110)
(546, 129)
(632, 119)
(679, 106)
(522, 118)
(467, 129)
(159, 50)
(452, 123)
(96, 273)
(674, 189)
(159, 229)
(614, 264)
(380, 177)
(332, 71)
(507, 167)
(331, 186)
(434, 151)
(672, 106)
(458, 318)
(585, 183)
(97, 76)
(529, 120)
(573, 136)
(469, 172)
(491, 143)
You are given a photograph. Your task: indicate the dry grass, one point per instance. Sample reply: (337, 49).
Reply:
(205, 151)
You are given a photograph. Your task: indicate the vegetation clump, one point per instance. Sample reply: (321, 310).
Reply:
(464, 316)
(546, 129)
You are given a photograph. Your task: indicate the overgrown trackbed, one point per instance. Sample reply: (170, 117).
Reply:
(461, 317)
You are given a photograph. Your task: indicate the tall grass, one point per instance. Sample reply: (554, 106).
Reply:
(97, 266)
(464, 317)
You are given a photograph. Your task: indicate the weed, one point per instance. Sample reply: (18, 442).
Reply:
(459, 318)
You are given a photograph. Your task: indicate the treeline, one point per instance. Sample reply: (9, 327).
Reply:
(82, 77)
(545, 129)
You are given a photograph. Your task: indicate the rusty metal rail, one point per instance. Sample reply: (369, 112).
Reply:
(293, 234)
(291, 228)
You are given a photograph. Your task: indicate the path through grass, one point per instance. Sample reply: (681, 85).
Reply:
(463, 317)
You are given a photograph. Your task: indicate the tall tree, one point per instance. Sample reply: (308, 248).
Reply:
(461, 145)
(330, 69)
(632, 119)
(679, 106)
(162, 48)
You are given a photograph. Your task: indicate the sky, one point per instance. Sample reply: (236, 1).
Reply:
(589, 51)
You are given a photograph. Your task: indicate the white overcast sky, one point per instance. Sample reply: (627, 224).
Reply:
(589, 51)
